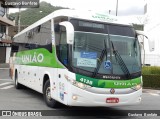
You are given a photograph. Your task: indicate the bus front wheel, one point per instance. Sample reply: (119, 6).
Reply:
(47, 95)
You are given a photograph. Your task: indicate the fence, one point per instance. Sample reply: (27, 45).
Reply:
(151, 59)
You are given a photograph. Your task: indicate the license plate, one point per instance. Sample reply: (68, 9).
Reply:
(112, 100)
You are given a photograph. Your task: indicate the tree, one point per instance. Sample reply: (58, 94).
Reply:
(31, 15)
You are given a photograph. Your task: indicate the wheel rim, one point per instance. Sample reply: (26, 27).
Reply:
(48, 94)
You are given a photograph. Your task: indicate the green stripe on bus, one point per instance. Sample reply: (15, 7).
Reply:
(108, 83)
(38, 57)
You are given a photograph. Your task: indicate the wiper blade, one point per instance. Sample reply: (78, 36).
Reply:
(121, 62)
(100, 59)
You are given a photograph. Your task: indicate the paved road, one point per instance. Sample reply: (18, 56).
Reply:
(4, 73)
(27, 99)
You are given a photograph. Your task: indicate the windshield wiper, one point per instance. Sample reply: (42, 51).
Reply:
(100, 59)
(121, 62)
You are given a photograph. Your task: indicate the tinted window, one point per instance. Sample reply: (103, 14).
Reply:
(121, 30)
(88, 26)
(97, 27)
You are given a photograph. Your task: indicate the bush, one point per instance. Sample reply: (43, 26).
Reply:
(146, 70)
(151, 70)
(151, 76)
(151, 81)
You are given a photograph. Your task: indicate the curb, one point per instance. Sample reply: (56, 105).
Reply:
(151, 91)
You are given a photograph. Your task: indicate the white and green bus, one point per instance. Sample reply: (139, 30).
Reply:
(80, 58)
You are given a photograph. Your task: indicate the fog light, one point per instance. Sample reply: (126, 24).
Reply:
(140, 99)
(74, 97)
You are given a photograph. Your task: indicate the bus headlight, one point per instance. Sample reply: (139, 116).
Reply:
(76, 83)
(137, 87)
(80, 85)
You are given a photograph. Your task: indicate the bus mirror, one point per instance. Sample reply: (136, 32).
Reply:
(150, 42)
(138, 32)
(151, 45)
(69, 31)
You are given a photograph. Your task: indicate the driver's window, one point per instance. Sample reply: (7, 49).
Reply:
(61, 44)
(63, 57)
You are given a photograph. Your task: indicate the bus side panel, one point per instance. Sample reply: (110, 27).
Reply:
(53, 77)
(62, 91)
(21, 76)
(29, 77)
(33, 76)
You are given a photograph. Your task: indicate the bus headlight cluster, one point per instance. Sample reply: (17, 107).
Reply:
(80, 85)
(77, 84)
(137, 87)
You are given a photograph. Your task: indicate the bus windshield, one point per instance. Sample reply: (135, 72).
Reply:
(95, 53)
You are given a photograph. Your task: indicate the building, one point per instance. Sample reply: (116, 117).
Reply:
(152, 29)
(5, 39)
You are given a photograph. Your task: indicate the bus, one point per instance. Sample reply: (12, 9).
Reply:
(80, 58)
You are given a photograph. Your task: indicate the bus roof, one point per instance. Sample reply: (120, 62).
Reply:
(80, 14)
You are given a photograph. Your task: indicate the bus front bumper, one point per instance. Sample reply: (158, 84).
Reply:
(79, 97)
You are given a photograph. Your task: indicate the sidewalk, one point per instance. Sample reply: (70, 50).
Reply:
(4, 66)
(146, 90)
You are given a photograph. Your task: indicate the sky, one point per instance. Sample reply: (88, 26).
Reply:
(125, 7)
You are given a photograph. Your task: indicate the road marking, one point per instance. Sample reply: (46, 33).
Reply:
(6, 79)
(7, 87)
(154, 94)
(6, 83)
(4, 68)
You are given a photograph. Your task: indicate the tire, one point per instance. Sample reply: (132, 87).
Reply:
(16, 84)
(47, 96)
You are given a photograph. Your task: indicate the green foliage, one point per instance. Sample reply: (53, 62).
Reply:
(151, 77)
(151, 81)
(31, 15)
(151, 70)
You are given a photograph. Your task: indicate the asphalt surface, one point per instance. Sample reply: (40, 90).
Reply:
(4, 73)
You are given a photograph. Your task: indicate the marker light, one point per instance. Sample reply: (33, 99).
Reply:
(140, 98)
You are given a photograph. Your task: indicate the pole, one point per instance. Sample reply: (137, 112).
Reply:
(144, 52)
(117, 8)
(19, 20)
